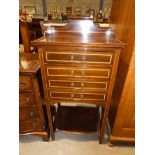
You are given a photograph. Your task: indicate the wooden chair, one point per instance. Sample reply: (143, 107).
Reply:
(26, 36)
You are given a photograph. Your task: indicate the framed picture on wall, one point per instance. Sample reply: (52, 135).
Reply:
(91, 13)
(87, 11)
(20, 9)
(48, 10)
(58, 9)
(69, 10)
(78, 11)
(54, 9)
(31, 10)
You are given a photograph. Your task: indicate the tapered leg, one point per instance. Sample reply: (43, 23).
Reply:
(46, 139)
(50, 122)
(110, 144)
(102, 125)
(100, 139)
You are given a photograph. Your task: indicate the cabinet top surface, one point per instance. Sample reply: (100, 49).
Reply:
(80, 32)
(28, 63)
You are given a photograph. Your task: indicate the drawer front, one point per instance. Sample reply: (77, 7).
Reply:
(78, 79)
(78, 100)
(28, 113)
(78, 96)
(90, 57)
(78, 90)
(26, 99)
(77, 84)
(28, 126)
(78, 72)
(25, 82)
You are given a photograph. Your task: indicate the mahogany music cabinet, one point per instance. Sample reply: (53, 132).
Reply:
(78, 65)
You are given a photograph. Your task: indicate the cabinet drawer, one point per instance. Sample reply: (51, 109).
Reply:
(83, 84)
(25, 82)
(105, 58)
(74, 95)
(78, 100)
(28, 113)
(78, 79)
(27, 99)
(78, 72)
(28, 126)
(77, 90)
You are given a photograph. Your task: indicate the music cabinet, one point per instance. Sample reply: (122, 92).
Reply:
(78, 65)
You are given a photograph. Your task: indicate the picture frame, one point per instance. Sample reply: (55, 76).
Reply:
(87, 9)
(54, 9)
(20, 9)
(48, 10)
(31, 10)
(91, 13)
(78, 11)
(69, 10)
(58, 9)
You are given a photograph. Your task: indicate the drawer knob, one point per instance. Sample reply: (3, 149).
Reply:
(44, 127)
(72, 57)
(34, 125)
(23, 83)
(72, 72)
(82, 84)
(31, 113)
(72, 84)
(72, 95)
(27, 99)
(51, 95)
(83, 57)
(83, 73)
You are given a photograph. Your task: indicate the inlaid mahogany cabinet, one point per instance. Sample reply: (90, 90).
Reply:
(31, 116)
(78, 65)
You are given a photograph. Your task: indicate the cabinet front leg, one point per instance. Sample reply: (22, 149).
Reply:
(110, 144)
(46, 139)
(102, 125)
(100, 139)
(50, 122)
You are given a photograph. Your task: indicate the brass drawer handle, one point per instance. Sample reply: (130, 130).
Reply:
(27, 99)
(34, 125)
(83, 73)
(72, 72)
(32, 113)
(83, 57)
(82, 84)
(72, 57)
(23, 84)
(72, 84)
(72, 95)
